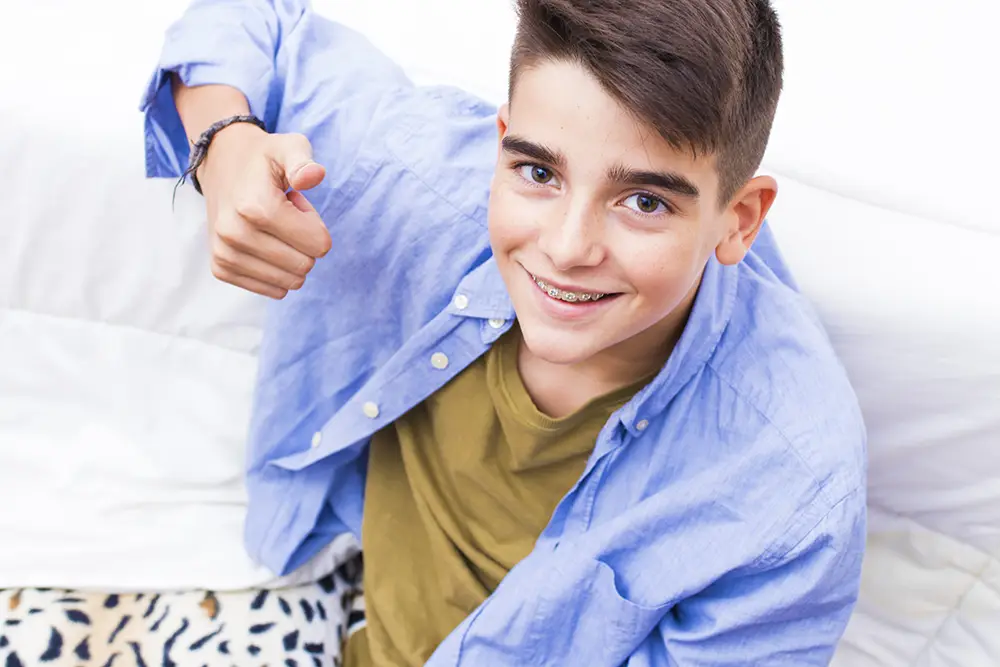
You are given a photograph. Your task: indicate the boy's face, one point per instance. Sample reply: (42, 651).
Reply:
(600, 228)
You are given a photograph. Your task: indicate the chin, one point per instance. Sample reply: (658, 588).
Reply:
(558, 346)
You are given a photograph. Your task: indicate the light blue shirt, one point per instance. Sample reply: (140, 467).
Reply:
(721, 517)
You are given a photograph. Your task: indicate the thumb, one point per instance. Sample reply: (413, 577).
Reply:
(306, 176)
(301, 171)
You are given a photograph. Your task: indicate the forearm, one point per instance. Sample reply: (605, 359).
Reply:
(266, 57)
(200, 106)
(224, 53)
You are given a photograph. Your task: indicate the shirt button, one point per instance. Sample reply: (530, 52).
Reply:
(370, 409)
(642, 425)
(497, 323)
(461, 302)
(439, 360)
(317, 438)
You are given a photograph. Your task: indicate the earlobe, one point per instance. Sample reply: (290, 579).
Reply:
(747, 211)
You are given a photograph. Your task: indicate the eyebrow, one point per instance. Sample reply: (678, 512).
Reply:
(621, 174)
(530, 149)
(657, 179)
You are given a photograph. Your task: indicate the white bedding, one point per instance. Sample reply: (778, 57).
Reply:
(125, 369)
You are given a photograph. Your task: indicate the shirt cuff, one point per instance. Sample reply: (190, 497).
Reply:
(168, 150)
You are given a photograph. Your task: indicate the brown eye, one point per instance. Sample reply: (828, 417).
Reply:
(646, 204)
(541, 175)
(536, 174)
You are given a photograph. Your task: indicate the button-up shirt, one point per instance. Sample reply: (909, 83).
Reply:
(721, 517)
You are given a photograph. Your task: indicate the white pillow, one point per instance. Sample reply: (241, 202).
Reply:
(911, 307)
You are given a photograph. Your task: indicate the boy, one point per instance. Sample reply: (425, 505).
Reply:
(571, 416)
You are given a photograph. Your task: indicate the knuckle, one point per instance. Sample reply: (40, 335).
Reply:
(252, 209)
(223, 255)
(297, 140)
(220, 272)
(230, 231)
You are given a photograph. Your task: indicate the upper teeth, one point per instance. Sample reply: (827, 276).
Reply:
(571, 297)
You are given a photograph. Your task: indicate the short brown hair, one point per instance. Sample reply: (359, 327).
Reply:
(706, 74)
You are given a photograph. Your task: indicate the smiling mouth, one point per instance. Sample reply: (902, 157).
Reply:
(568, 297)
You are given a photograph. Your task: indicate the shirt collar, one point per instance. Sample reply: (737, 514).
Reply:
(483, 294)
(710, 315)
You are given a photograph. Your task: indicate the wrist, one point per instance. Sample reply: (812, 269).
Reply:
(228, 141)
(199, 150)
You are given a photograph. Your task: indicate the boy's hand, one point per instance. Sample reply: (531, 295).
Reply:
(262, 239)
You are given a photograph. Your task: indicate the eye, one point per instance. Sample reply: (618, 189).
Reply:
(646, 204)
(533, 173)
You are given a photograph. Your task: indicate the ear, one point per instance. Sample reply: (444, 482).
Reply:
(503, 120)
(744, 217)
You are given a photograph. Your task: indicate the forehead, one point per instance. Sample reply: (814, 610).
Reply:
(561, 105)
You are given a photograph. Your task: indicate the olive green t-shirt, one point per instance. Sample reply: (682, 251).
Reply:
(458, 491)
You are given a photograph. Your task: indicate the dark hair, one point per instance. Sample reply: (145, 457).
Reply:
(705, 74)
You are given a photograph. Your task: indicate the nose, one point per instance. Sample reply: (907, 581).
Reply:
(572, 238)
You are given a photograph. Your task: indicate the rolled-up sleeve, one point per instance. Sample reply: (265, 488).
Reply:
(215, 42)
(299, 73)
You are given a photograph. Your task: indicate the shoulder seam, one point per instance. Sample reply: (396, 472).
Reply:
(770, 557)
(788, 441)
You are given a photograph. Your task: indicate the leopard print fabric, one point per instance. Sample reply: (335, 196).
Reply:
(303, 626)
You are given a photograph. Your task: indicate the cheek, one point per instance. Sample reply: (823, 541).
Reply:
(511, 220)
(663, 271)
